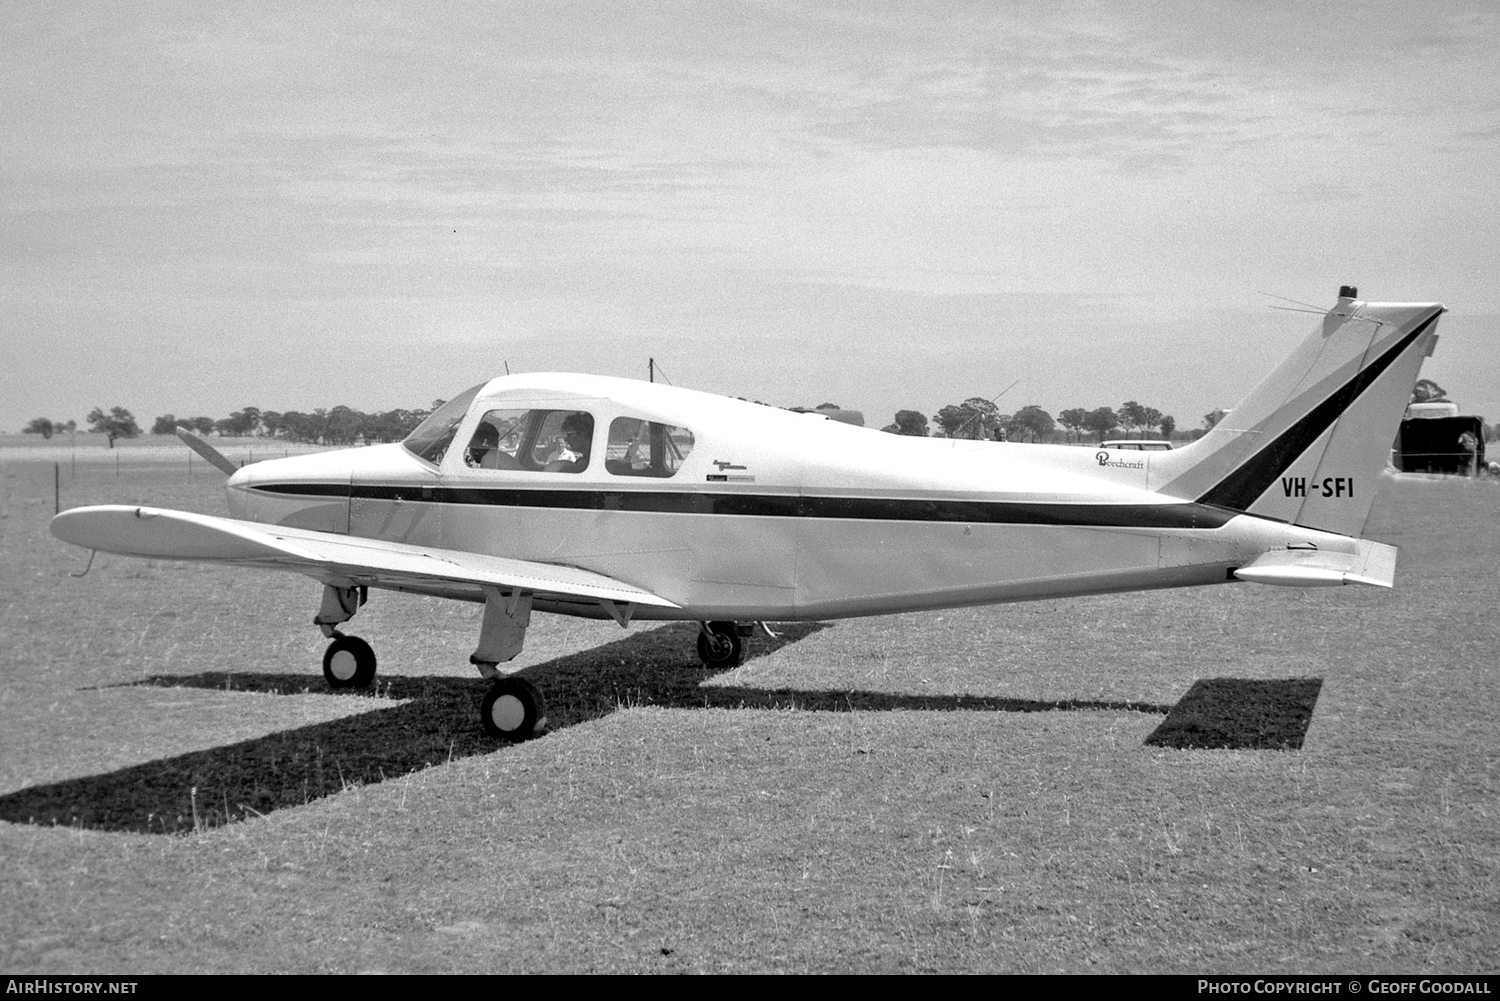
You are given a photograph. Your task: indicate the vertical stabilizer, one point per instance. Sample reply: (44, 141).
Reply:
(1308, 445)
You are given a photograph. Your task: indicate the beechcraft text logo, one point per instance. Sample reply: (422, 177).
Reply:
(1107, 458)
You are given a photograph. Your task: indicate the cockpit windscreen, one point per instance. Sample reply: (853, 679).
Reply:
(432, 437)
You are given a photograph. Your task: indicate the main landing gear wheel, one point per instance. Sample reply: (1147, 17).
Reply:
(349, 662)
(720, 646)
(513, 709)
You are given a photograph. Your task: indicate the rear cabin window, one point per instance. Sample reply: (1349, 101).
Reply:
(537, 441)
(645, 448)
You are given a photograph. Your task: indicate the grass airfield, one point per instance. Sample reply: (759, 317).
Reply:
(980, 790)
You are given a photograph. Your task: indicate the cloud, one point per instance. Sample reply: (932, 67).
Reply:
(598, 168)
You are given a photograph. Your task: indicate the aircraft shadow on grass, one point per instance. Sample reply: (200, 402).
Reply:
(209, 788)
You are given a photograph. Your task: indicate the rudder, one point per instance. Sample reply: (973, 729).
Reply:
(1308, 445)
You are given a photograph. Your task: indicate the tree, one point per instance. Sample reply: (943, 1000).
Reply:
(299, 426)
(973, 418)
(165, 424)
(345, 424)
(909, 422)
(240, 424)
(43, 426)
(1132, 415)
(1210, 419)
(1031, 420)
(1101, 421)
(1168, 424)
(1427, 391)
(392, 425)
(1150, 417)
(1073, 419)
(118, 423)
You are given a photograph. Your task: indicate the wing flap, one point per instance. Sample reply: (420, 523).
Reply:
(181, 535)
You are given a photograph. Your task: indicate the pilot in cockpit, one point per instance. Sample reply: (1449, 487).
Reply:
(482, 450)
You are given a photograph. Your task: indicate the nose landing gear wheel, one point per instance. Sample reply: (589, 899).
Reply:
(513, 709)
(723, 648)
(349, 662)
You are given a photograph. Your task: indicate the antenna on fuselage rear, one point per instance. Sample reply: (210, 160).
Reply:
(1310, 307)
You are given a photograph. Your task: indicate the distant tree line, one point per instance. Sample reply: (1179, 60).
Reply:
(114, 424)
(974, 418)
(339, 426)
(981, 419)
(47, 428)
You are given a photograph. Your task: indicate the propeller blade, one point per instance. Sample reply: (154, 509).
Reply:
(213, 455)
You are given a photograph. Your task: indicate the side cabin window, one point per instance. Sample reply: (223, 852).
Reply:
(432, 437)
(538, 441)
(645, 448)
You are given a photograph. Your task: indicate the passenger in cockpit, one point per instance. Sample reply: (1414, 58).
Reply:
(578, 435)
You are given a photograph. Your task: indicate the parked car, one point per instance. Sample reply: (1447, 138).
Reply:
(1138, 444)
(1440, 444)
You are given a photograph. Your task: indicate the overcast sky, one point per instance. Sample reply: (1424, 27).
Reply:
(885, 206)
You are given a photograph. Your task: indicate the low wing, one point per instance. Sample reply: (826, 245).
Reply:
(332, 559)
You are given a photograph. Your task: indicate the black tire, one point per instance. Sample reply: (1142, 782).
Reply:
(513, 709)
(725, 650)
(349, 662)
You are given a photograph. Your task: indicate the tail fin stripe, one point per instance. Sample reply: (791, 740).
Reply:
(1255, 476)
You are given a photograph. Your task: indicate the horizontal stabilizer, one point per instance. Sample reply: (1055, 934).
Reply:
(1372, 563)
(180, 535)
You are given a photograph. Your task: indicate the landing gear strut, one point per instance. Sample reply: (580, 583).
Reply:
(349, 662)
(512, 708)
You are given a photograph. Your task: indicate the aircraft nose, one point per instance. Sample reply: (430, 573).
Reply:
(303, 491)
(238, 491)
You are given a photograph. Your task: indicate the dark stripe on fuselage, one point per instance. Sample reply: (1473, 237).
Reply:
(308, 489)
(1184, 515)
(1255, 476)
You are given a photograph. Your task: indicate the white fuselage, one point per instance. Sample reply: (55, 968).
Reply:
(773, 515)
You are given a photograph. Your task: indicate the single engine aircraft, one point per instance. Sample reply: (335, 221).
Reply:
(618, 499)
